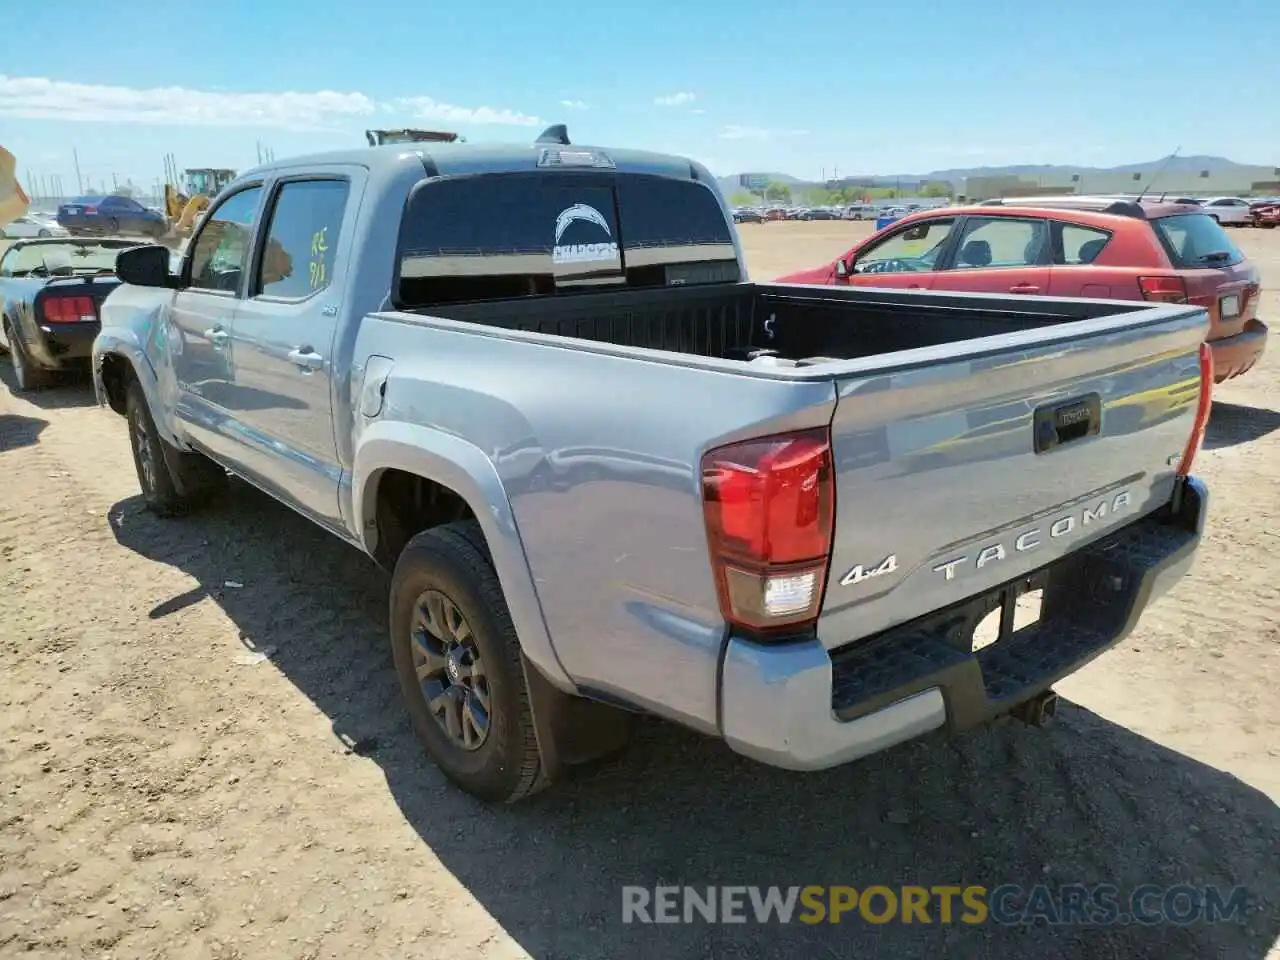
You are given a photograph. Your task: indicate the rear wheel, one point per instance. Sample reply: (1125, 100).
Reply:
(44, 233)
(172, 481)
(460, 666)
(26, 375)
(114, 225)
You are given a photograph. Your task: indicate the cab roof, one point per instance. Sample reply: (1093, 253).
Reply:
(455, 159)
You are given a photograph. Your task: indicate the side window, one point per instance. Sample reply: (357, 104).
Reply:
(220, 252)
(913, 250)
(302, 238)
(1081, 244)
(1001, 242)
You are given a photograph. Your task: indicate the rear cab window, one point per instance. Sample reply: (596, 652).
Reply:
(1196, 240)
(501, 236)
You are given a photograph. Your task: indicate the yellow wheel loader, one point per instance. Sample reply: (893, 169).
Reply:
(183, 208)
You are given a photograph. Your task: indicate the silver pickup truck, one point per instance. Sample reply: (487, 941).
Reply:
(610, 475)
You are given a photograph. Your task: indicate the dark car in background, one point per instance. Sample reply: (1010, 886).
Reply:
(1265, 213)
(110, 215)
(51, 292)
(747, 215)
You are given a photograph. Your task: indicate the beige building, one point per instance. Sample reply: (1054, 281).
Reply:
(1241, 181)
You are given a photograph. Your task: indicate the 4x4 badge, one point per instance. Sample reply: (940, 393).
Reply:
(860, 573)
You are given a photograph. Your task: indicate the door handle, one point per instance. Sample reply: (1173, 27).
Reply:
(306, 358)
(217, 336)
(1024, 288)
(913, 286)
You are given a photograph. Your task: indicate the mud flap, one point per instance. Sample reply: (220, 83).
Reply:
(572, 730)
(192, 473)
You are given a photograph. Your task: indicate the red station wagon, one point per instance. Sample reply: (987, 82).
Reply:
(1119, 249)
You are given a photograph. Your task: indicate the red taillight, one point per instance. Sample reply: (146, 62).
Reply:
(91, 210)
(1163, 289)
(769, 506)
(1203, 408)
(69, 310)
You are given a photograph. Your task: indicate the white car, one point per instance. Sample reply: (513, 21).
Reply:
(1228, 210)
(32, 225)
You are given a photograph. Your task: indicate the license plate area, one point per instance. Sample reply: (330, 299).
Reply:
(1229, 307)
(1017, 607)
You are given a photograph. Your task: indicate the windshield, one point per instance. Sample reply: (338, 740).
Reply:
(1196, 240)
(64, 259)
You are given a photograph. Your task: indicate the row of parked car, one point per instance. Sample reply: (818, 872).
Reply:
(861, 211)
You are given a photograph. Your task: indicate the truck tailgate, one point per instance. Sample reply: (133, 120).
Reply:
(953, 478)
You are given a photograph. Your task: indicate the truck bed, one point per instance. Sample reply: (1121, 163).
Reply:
(802, 324)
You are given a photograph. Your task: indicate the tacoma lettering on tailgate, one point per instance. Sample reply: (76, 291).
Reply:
(1035, 536)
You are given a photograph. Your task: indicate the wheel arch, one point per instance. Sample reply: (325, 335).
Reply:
(441, 467)
(118, 360)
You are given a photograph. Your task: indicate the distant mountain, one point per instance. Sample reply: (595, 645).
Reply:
(1175, 165)
(954, 174)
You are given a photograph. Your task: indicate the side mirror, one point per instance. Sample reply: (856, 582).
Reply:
(145, 266)
(842, 268)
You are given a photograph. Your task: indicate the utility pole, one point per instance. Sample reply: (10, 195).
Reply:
(76, 158)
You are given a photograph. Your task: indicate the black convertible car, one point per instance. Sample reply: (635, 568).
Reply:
(50, 292)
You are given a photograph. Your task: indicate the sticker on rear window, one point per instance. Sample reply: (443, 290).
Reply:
(589, 252)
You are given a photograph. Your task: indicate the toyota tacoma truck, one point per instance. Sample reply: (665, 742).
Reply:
(611, 475)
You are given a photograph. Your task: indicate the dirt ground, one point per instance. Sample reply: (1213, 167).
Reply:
(203, 753)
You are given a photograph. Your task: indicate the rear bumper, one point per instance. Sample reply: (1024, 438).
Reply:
(60, 344)
(801, 707)
(1233, 356)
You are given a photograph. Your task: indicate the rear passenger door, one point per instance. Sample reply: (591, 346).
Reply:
(281, 395)
(998, 255)
(1074, 272)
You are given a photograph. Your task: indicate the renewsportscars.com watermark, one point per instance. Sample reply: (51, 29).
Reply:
(1069, 904)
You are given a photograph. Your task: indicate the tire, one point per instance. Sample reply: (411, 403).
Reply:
(172, 481)
(450, 565)
(44, 233)
(114, 225)
(26, 375)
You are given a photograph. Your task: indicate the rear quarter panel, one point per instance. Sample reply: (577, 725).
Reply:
(599, 458)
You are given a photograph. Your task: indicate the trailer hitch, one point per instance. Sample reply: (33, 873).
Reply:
(1038, 711)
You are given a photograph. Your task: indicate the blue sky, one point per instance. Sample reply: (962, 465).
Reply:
(740, 84)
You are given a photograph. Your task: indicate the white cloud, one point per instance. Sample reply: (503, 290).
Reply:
(573, 104)
(675, 99)
(736, 132)
(427, 108)
(697, 110)
(39, 98)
